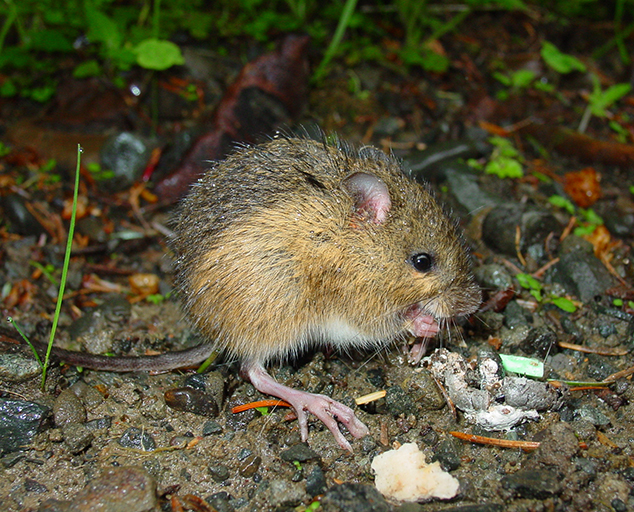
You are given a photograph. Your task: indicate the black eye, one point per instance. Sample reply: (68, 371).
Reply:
(422, 262)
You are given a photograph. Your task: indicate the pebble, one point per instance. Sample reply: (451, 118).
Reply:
(581, 274)
(316, 482)
(219, 472)
(558, 445)
(220, 502)
(137, 439)
(591, 414)
(126, 155)
(123, 489)
(500, 227)
(540, 341)
(537, 484)
(18, 367)
(465, 189)
(34, 486)
(20, 421)
(250, 466)
(300, 452)
(191, 400)
(68, 409)
(353, 497)
(493, 277)
(20, 218)
(397, 401)
(77, 437)
(515, 315)
(211, 428)
(447, 454)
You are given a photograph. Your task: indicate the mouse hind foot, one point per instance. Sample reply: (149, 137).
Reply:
(329, 411)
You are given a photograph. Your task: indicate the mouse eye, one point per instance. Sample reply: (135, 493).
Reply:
(423, 262)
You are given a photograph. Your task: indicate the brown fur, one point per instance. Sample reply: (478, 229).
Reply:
(272, 253)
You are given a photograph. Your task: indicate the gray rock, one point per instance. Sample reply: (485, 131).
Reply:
(465, 189)
(126, 155)
(77, 437)
(533, 483)
(581, 274)
(68, 409)
(300, 452)
(500, 227)
(493, 277)
(18, 367)
(19, 422)
(137, 439)
(351, 497)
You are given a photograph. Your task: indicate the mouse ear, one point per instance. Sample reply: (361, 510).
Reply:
(371, 196)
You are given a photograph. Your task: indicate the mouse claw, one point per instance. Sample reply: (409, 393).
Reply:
(329, 411)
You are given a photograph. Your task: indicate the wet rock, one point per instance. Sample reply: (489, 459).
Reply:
(278, 493)
(77, 437)
(195, 381)
(219, 472)
(20, 218)
(68, 409)
(99, 423)
(397, 401)
(581, 274)
(250, 466)
(211, 428)
(421, 164)
(528, 393)
(18, 366)
(424, 391)
(611, 489)
(300, 452)
(93, 228)
(126, 155)
(515, 315)
(465, 189)
(220, 502)
(538, 484)
(558, 445)
(124, 489)
(137, 439)
(500, 227)
(191, 400)
(34, 486)
(599, 367)
(351, 497)
(591, 414)
(316, 482)
(19, 422)
(493, 277)
(89, 396)
(539, 341)
(447, 454)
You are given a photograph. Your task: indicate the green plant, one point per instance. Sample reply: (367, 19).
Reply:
(505, 161)
(600, 100)
(536, 288)
(560, 62)
(587, 219)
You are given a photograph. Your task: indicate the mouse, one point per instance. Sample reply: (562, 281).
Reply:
(296, 243)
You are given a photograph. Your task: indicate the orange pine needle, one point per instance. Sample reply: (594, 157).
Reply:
(502, 443)
(259, 403)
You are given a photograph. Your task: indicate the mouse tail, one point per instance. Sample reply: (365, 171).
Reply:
(190, 357)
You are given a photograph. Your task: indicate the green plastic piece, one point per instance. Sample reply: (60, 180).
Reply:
(523, 365)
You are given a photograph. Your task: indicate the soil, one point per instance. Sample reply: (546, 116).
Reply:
(102, 420)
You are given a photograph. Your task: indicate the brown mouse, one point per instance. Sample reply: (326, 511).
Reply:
(295, 242)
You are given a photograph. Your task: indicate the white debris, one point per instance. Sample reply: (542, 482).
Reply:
(404, 475)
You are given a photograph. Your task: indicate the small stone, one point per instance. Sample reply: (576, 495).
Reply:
(19, 422)
(99, 423)
(219, 472)
(493, 277)
(447, 454)
(18, 367)
(211, 428)
(77, 437)
(397, 401)
(300, 452)
(137, 439)
(19, 216)
(220, 502)
(540, 341)
(352, 497)
(537, 484)
(34, 486)
(581, 274)
(126, 155)
(591, 414)
(250, 466)
(191, 400)
(68, 409)
(195, 381)
(316, 482)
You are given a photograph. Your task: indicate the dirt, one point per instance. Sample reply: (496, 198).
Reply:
(585, 458)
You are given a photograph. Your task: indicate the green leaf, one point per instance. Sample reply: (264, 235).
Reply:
(560, 62)
(158, 54)
(562, 202)
(50, 40)
(602, 100)
(504, 167)
(565, 304)
(529, 282)
(103, 29)
(591, 216)
(522, 78)
(87, 69)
